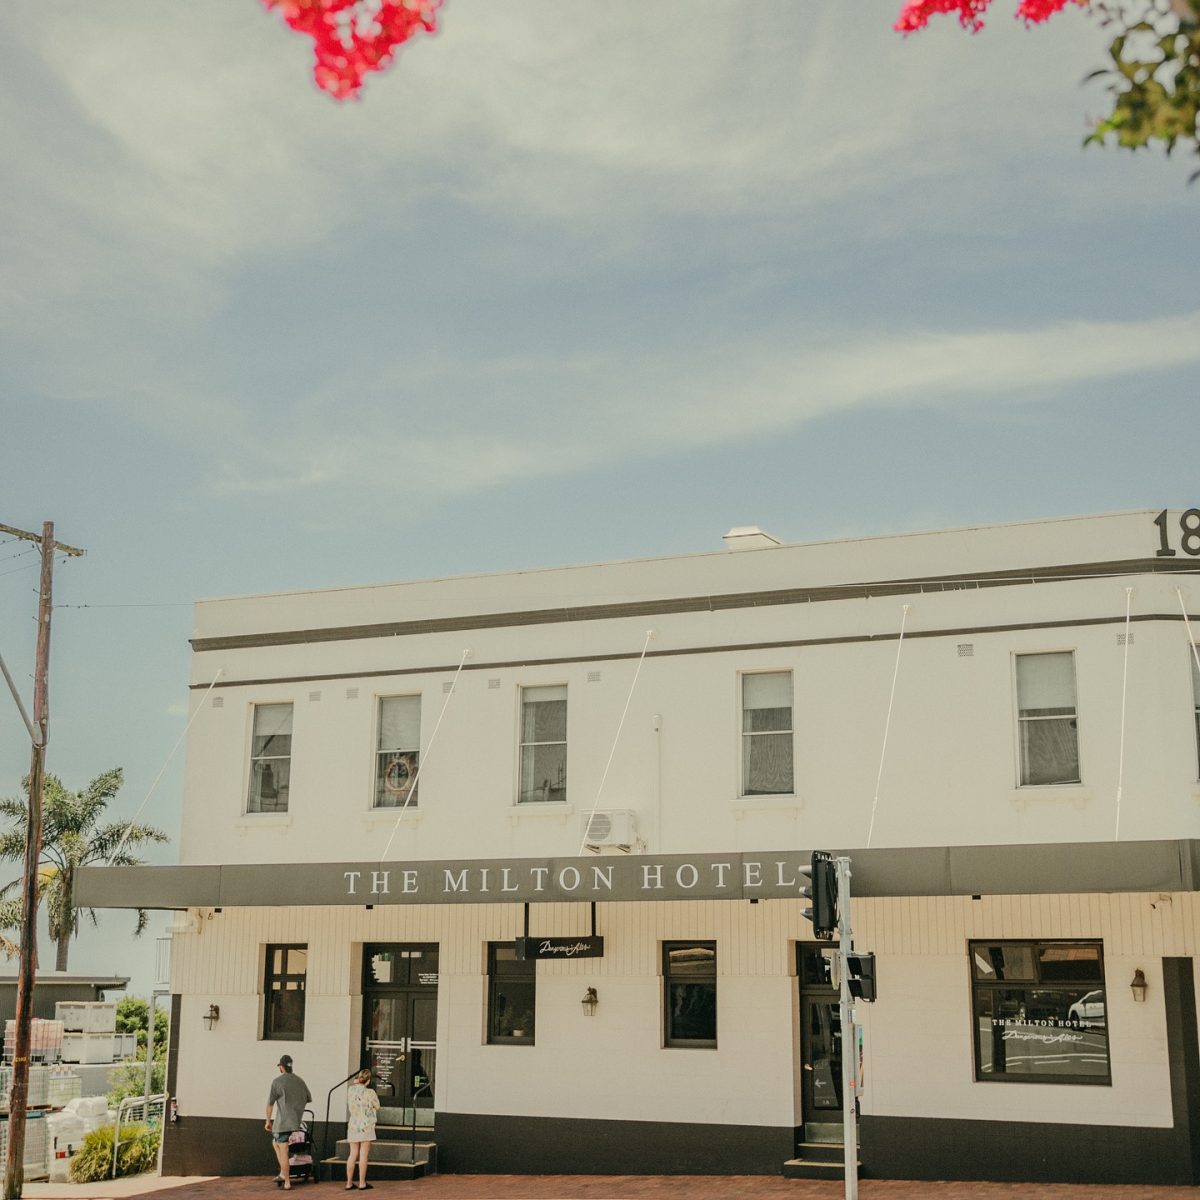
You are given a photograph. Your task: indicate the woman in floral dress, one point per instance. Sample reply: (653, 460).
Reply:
(362, 1104)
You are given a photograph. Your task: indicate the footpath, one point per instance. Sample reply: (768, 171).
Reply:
(601, 1187)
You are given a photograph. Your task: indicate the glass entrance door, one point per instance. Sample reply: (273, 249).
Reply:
(820, 1036)
(821, 1059)
(400, 1029)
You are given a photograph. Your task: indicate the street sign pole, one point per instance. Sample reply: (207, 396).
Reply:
(849, 1033)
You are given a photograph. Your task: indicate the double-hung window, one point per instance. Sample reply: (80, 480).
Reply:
(767, 734)
(1047, 723)
(270, 759)
(397, 751)
(512, 995)
(283, 990)
(543, 745)
(1039, 1012)
(690, 994)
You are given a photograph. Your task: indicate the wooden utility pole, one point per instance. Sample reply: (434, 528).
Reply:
(14, 1170)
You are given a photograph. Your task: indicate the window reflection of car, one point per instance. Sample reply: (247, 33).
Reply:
(1087, 1010)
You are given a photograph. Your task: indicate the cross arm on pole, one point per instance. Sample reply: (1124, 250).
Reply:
(26, 536)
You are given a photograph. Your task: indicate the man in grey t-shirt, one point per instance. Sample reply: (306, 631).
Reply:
(288, 1096)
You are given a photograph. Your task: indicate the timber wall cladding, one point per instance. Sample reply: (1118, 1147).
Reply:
(223, 958)
(753, 939)
(1130, 924)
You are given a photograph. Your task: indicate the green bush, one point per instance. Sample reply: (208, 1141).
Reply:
(129, 1079)
(139, 1153)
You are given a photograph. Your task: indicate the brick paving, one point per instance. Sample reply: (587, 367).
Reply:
(644, 1187)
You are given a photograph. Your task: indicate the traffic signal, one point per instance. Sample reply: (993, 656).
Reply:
(862, 975)
(822, 889)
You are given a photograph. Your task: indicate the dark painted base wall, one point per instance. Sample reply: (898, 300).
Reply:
(1021, 1152)
(469, 1144)
(891, 1148)
(228, 1146)
(491, 1145)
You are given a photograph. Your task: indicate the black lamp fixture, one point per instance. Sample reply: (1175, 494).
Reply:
(213, 1015)
(589, 1002)
(1138, 986)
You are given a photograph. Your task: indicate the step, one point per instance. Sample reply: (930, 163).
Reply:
(335, 1169)
(806, 1168)
(391, 1152)
(824, 1152)
(398, 1133)
(801, 1168)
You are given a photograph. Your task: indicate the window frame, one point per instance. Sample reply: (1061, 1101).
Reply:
(252, 758)
(271, 982)
(1019, 720)
(413, 799)
(743, 734)
(522, 689)
(977, 986)
(670, 1040)
(527, 971)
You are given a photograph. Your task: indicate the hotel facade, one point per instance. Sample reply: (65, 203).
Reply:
(529, 845)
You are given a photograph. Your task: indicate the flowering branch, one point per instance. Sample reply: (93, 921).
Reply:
(351, 38)
(1155, 72)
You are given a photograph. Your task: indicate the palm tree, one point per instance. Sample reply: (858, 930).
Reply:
(71, 838)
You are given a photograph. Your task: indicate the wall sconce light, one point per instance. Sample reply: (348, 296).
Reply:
(213, 1015)
(590, 1000)
(1138, 986)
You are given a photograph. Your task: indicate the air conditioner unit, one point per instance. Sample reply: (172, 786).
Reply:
(611, 828)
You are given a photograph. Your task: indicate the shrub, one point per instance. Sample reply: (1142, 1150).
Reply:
(139, 1153)
(129, 1079)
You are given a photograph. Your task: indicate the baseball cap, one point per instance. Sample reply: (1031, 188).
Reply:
(286, 1062)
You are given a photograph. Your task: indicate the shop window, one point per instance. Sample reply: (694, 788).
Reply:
(1039, 1012)
(270, 759)
(690, 994)
(397, 751)
(283, 989)
(512, 993)
(543, 745)
(1046, 718)
(767, 734)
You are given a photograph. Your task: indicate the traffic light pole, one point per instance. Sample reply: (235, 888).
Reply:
(849, 1031)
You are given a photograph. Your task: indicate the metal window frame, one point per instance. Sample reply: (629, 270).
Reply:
(528, 970)
(669, 1040)
(270, 980)
(976, 986)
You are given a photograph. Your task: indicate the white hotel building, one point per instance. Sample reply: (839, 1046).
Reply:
(388, 786)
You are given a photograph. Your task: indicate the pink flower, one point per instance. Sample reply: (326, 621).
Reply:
(351, 39)
(916, 13)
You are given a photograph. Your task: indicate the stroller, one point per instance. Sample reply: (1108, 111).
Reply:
(300, 1153)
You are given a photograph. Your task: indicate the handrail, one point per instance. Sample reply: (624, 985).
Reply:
(126, 1106)
(325, 1127)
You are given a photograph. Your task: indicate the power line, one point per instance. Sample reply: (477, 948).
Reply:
(169, 604)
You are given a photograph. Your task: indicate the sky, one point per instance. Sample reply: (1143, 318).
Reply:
(573, 281)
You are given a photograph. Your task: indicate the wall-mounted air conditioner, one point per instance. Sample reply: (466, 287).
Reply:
(610, 827)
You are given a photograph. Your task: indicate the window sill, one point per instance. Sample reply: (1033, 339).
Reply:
(519, 812)
(752, 804)
(375, 817)
(1053, 793)
(278, 822)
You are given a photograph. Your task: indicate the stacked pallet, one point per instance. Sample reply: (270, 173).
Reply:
(45, 1040)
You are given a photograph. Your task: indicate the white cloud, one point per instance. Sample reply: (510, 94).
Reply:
(583, 414)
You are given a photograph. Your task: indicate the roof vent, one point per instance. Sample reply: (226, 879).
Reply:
(749, 537)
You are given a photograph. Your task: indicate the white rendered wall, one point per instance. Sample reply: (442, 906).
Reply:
(950, 775)
(749, 1079)
(918, 1036)
(919, 1057)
